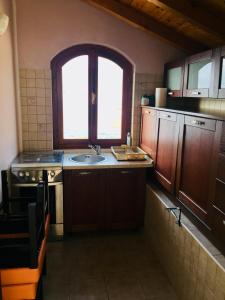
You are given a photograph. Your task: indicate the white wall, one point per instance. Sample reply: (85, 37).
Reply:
(45, 27)
(8, 129)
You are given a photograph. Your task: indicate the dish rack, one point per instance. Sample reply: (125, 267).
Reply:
(125, 152)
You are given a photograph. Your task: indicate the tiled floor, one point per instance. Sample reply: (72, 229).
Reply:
(109, 266)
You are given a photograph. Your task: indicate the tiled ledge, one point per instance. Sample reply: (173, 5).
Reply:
(195, 267)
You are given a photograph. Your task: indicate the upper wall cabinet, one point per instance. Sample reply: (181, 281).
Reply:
(199, 75)
(219, 80)
(174, 77)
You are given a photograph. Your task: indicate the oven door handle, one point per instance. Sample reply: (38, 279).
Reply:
(55, 183)
(25, 184)
(35, 184)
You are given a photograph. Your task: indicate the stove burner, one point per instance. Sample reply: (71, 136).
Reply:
(38, 157)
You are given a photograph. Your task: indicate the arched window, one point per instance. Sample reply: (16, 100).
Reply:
(92, 95)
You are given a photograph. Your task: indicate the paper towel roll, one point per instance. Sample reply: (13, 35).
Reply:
(160, 97)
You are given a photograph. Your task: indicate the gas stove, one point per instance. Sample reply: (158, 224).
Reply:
(28, 166)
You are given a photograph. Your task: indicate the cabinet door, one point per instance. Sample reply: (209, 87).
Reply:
(125, 201)
(219, 78)
(199, 74)
(148, 131)
(173, 78)
(83, 200)
(218, 203)
(196, 164)
(166, 154)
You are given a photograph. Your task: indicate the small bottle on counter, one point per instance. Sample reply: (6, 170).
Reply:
(128, 139)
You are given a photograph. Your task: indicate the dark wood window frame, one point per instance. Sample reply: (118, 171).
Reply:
(93, 51)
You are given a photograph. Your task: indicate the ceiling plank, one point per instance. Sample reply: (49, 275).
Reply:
(195, 14)
(143, 21)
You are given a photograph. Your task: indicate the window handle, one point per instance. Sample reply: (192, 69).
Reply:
(93, 98)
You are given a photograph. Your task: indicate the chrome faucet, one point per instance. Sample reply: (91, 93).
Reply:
(96, 148)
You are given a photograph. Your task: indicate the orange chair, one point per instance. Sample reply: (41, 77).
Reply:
(23, 283)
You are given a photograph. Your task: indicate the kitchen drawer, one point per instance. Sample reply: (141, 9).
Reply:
(148, 111)
(167, 116)
(200, 122)
(221, 168)
(219, 200)
(218, 224)
(197, 93)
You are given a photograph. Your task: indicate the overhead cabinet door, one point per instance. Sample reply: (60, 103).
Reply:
(174, 75)
(199, 75)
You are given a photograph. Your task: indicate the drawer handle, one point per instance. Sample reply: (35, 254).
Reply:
(196, 122)
(196, 93)
(126, 172)
(166, 116)
(84, 173)
(170, 93)
(147, 112)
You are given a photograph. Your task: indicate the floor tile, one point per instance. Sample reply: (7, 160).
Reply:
(112, 266)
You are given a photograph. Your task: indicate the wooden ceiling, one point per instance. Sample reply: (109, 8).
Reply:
(192, 25)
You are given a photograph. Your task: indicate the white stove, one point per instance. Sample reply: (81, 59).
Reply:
(28, 166)
(27, 170)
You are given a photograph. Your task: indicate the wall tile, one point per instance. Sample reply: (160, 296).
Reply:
(40, 73)
(30, 83)
(31, 100)
(31, 92)
(40, 92)
(194, 273)
(40, 83)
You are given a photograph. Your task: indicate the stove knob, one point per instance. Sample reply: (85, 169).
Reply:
(52, 173)
(33, 178)
(21, 174)
(27, 174)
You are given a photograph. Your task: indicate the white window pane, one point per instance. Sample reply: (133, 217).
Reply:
(110, 90)
(75, 98)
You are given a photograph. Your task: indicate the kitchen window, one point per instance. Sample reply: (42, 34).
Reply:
(92, 96)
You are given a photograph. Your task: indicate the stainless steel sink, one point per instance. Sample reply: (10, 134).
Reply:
(88, 158)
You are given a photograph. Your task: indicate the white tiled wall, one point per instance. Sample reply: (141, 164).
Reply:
(194, 266)
(36, 106)
(36, 102)
(144, 84)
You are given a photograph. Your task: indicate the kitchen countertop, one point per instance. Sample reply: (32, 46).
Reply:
(202, 114)
(109, 163)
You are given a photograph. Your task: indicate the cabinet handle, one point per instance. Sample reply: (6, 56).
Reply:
(147, 112)
(170, 93)
(196, 93)
(196, 122)
(84, 173)
(166, 116)
(126, 172)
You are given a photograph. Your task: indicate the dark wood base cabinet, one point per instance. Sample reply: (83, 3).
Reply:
(189, 161)
(218, 203)
(103, 199)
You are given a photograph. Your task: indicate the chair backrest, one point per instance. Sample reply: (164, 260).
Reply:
(33, 222)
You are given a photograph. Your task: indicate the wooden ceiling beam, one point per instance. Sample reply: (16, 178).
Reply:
(143, 21)
(195, 14)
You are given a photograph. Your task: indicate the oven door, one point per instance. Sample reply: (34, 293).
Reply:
(55, 205)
